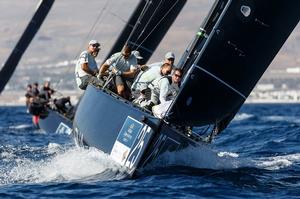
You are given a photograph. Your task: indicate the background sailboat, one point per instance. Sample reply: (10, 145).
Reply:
(31, 29)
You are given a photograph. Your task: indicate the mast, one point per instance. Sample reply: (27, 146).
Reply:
(240, 47)
(27, 36)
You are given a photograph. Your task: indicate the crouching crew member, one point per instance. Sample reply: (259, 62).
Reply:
(122, 66)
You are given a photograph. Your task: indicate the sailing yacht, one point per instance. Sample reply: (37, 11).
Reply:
(230, 52)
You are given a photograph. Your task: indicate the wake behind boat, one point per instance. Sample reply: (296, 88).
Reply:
(229, 54)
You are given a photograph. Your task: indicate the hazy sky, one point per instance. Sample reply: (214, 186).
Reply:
(65, 29)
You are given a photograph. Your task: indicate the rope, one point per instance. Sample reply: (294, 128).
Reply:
(92, 30)
(146, 7)
(156, 9)
(157, 24)
(121, 19)
(117, 16)
(108, 80)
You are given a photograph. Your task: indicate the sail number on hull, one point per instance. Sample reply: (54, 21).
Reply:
(131, 142)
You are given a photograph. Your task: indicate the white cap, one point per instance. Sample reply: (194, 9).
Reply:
(137, 54)
(170, 55)
(93, 42)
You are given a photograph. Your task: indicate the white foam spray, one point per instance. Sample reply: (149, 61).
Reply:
(203, 157)
(72, 164)
(278, 162)
(242, 116)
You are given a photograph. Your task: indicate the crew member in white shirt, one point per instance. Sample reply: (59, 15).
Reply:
(86, 66)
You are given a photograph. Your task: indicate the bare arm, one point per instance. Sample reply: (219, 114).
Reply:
(86, 68)
(104, 69)
(129, 74)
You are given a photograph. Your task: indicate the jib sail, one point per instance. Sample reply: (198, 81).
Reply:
(237, 52)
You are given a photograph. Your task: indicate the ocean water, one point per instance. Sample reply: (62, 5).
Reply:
(257, 156)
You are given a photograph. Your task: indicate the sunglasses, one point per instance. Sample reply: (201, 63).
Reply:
(176, 75)
(96, 45)
(126, 54)
(168, 72)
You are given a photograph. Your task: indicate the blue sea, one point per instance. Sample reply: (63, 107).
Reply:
(257, 156)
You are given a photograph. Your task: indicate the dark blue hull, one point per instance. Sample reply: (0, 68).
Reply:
(102, 119)
(55, 122)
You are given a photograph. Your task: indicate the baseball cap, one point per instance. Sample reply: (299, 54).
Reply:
(93, 42)
(137, 54)
(170, 55)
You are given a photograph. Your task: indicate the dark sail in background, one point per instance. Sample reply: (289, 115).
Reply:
(31, 29)
(153, 19)
(241, 46)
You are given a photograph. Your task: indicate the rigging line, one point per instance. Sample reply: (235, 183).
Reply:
(93, 27)
(141, 47)
(148, 21)
(120, 6)
(117, 16)
(87, 36)
(120, 18)
(158, 23)
(138, 22)
(220, 80)
(134, 28)
(145, 8)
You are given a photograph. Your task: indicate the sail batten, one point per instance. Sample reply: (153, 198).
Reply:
(221, 81)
